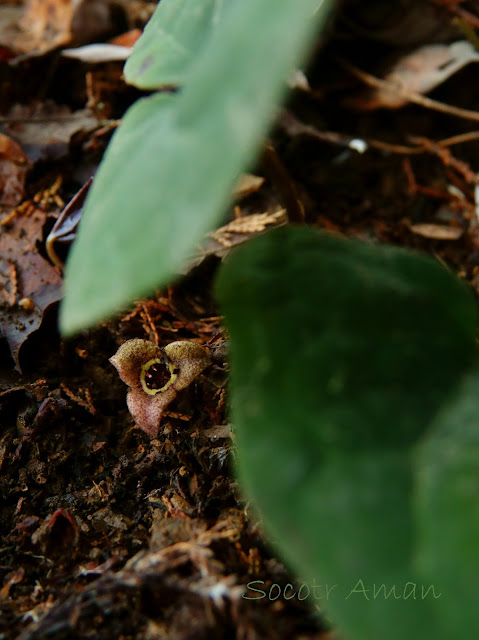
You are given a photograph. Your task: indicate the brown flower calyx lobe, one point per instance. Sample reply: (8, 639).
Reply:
(155, 376)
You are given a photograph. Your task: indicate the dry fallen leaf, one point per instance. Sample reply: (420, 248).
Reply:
(247, 184)
(47, 24)
(437, 231)
(44, 130)
(126, 39)
(29, 284)
(243, 227)
(220, 242)
(13, 168)
(419, 72)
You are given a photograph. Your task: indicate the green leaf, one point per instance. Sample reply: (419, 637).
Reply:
(342, 354)
(448, 508)
(172, 39)
(168, 172)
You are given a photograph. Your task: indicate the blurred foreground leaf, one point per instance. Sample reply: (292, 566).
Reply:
(342, 354)
(168, 172)
(448, 507)
(172, 39)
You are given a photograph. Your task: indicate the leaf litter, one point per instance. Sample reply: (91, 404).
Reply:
(29, 284)
(104, 530)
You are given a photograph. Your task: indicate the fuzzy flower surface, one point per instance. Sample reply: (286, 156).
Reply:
(155, 376)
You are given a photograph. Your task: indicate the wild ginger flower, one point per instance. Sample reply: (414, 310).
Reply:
(155, 376)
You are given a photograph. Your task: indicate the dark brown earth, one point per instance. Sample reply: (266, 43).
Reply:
(105, 533)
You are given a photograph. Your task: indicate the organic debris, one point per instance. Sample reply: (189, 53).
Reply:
(419, 72)
(108, 531)
(13, 168)
(29, 284)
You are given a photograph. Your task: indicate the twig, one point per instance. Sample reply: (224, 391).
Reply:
(411, 96)
(146, 314)
(295, 127)
(448, 159)
(86, 404)
(279, 176)
(470, 136)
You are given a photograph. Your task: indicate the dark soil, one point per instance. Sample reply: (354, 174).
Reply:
(105, 533)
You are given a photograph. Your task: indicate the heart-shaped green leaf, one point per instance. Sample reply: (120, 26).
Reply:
(342, 353)
(168, 172)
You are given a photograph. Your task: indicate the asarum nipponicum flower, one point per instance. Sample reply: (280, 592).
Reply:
(155, 376)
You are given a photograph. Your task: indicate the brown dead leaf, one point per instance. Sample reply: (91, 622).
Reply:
(243, 227)
(247, 184)
(47, 24)
(437, 231)
(45, 130)
(419, 72)
(13, 168)
(127, 39)
(220, 242)
(24, 275)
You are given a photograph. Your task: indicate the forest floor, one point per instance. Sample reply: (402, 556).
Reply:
(105, 533)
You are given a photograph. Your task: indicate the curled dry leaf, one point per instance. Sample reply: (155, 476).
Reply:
(155, 376)
(29, 284)
(64, 229)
